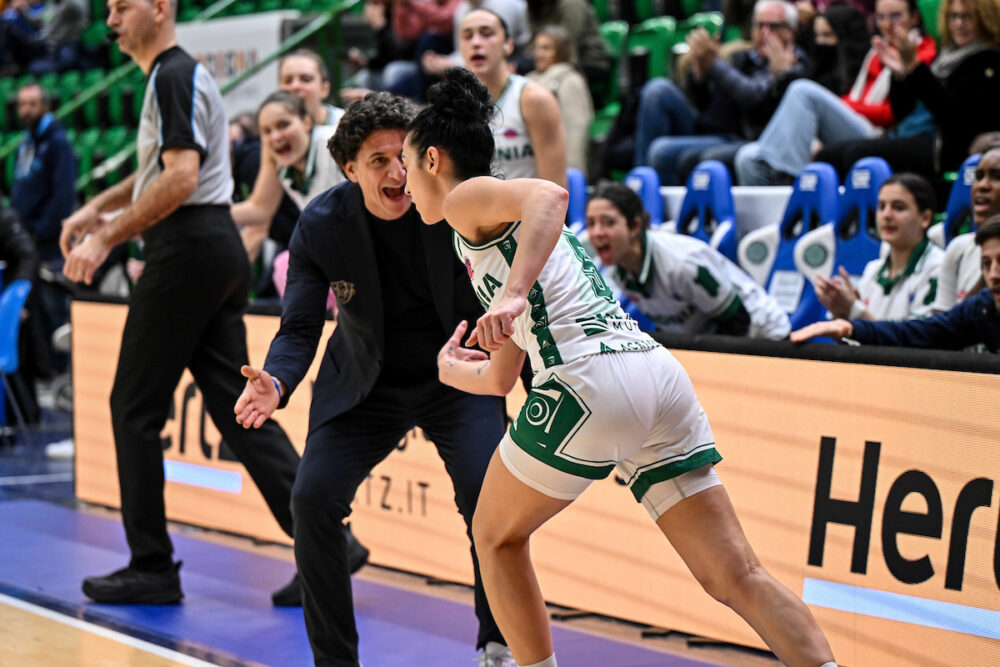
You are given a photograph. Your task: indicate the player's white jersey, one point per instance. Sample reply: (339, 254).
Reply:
(685, 285)
(571, 311)
(514, 156)
(908, 296)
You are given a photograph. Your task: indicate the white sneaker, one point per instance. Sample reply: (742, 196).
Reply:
(61, 450)
(496, 655)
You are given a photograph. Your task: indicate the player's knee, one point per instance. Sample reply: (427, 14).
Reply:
(733, 585)
(491, 533)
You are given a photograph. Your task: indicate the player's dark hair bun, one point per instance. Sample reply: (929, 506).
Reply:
(460, 96)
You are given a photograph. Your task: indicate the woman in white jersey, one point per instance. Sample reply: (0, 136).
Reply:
(901, 285)
(527, 125)
(294, 160)
(604, 394)
(681, 283)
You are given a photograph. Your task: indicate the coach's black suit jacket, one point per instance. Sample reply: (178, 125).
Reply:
(332, 248)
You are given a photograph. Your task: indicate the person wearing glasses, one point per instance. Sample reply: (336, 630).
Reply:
(960, 89)
(725, 103)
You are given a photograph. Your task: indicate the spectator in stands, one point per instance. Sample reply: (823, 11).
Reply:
(19, 25)
(903, 284)
(63, 23)
(973, 322)
(430, 24)
(43, 194)
(727, 103)
(679, 282)
(527, 127)
(579, 20)
(960, 270)
(294, 161)
(809, 111)
(390, 60)
(960, 89)
(554, 69)
(17, 252)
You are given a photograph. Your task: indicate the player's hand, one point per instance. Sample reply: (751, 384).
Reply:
(837, 294)
(453, 352)
(76, 226)
(258, 400)
(497, 326)
(85, 258)
(835, 329)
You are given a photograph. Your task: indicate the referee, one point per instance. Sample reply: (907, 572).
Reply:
(187, 309)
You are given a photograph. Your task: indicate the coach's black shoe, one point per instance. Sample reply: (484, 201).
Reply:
(357, 553)
(128, 586)
(289, 595)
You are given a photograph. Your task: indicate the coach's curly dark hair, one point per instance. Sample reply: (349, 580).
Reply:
(623, 198)
(376, 111)
(457, 121)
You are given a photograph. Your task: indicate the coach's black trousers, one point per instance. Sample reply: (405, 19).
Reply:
(338, 457)
(187, 311)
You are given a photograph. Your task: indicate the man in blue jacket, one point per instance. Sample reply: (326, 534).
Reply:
(975, 321)
(43, 194)
(400, 293)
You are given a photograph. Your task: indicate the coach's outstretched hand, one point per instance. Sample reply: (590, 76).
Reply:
(259, 399)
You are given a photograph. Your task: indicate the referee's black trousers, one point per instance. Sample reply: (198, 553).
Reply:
(187, 311)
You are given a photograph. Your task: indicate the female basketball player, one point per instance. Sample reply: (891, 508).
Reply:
(544, 297)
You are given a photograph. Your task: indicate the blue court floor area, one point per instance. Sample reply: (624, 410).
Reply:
(226, 617)
(49, 543)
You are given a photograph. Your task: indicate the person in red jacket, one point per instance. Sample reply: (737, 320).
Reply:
(808, 111)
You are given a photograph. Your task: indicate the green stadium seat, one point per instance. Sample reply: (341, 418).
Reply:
(691, 7)
(644, 9)
(90, 118)
(710, 21)
(656, 37)
(615, 33)
(929, 12)
(269, 5)
(603, 10)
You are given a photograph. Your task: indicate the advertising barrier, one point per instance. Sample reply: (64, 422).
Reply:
(869, 490)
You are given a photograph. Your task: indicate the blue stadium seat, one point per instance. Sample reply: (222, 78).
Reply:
(646, 183)
(768, 253)
(958, 211)
(853, 241)
(707, 209)
(576, 213)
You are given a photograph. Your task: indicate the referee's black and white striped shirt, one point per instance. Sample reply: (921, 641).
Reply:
(182, 108)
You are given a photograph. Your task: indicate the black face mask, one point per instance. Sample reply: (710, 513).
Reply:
(825, 56)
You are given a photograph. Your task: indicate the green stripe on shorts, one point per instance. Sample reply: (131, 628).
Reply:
(662, 473)
(551, 415)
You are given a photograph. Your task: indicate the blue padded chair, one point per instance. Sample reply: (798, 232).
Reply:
(646, 183)
(11, 304)
(576, 212)
(768, 253)
(959, 209)
(853, 240)
(707, 211)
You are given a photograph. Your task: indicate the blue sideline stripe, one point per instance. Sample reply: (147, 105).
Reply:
(196, 475)
(903, 608)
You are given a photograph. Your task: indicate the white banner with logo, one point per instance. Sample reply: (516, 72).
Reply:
(230, 46)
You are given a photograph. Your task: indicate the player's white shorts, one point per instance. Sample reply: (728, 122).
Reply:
(636, 411)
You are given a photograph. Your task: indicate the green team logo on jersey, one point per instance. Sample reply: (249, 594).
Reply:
(590, 269)
(550, 417)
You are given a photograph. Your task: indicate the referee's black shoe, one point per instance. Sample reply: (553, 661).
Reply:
(290, 595)
(129, 586)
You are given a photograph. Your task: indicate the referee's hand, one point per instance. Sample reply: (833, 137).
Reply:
(259, 399)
